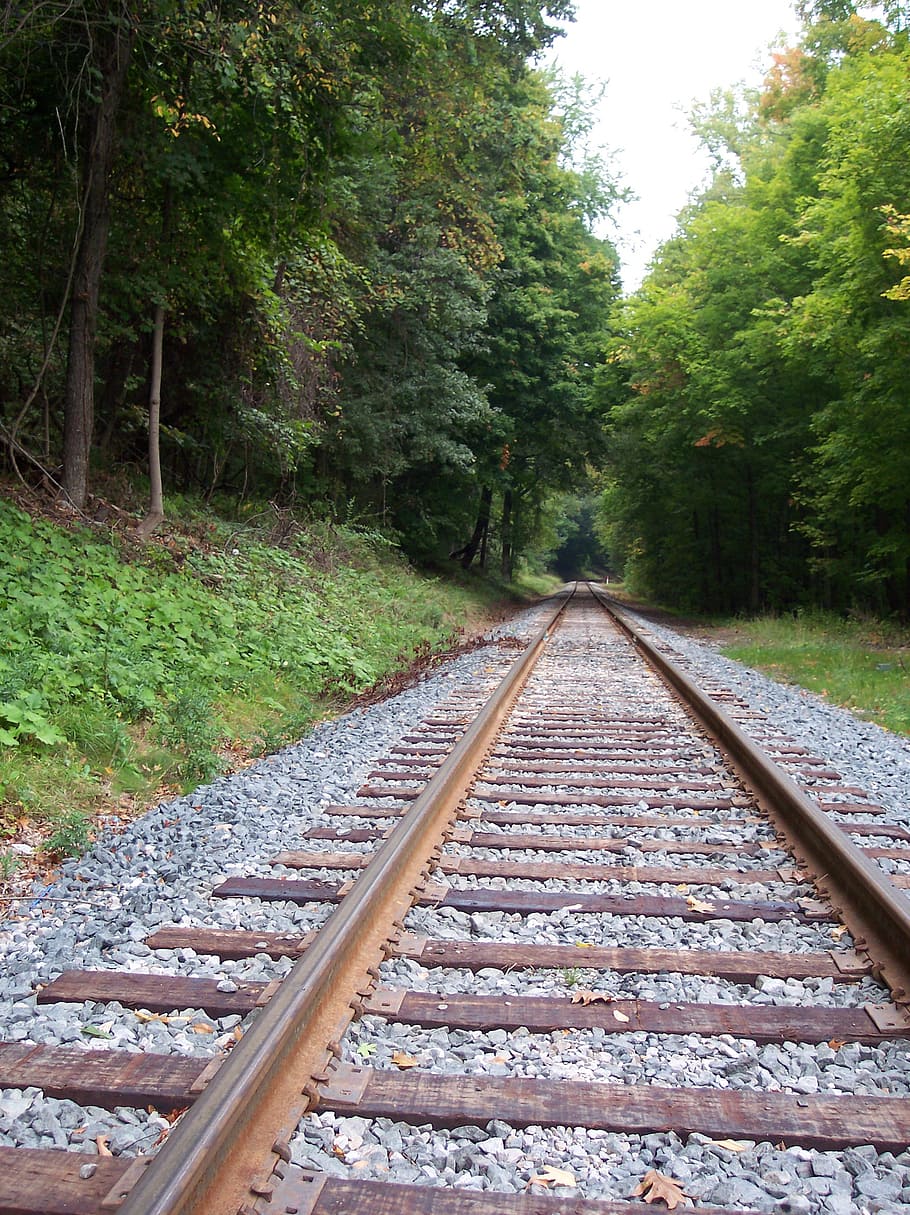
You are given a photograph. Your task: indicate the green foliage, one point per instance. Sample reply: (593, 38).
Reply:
(860, 664)
(153, 670)
(69, 836)
(348, 214)
(188, 726)
(757, 382)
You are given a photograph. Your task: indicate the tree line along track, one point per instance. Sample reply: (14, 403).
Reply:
(589, 840)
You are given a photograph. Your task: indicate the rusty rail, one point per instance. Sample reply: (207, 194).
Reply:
(875, 911)
(252, 1104)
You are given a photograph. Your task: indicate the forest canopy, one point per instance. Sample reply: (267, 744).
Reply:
(342, 256)
(335, 254)
(758, 384)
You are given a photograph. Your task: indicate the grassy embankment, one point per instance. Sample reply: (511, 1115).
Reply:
(862, 665)
(859, 664)
(130, 671)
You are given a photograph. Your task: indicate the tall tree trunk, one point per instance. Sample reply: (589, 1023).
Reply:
(479, 535)
(156, 493)
(79, 398)
(507, 534)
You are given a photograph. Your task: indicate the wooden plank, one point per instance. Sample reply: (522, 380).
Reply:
(406, 794)
(504, 797)
(529, 842)
(342, 1197)
(232, 943)
(648, 874)
(102, 1077)
(739, 966)
(569, 781)
(530, 818)
(826, 1123)
(631, 822)
(568, 871)
(878, 851)
(616, 729)
(649, 753)
(354, 811)
(586, 716)
(657, 743)
(46, 1181)
(157, 993)
(599, 767)
(272, 890)
(569, 843)
(549, 1014)
(527, 902)
(279, 889)
(844, 807)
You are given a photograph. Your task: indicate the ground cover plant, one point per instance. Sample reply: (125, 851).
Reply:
(127, 669)
(863, 665)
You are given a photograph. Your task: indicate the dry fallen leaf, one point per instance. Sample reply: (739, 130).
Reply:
(103, 1144)
(202, 1028)
(591, 997)
(400, 1059)
(551, 1176)
(835, 1043)
(839, 931)
(730, 1144)
(698, 904)
(654, 1186)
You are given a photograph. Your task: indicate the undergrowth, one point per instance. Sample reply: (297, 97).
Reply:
(128, 669)
(861, 664)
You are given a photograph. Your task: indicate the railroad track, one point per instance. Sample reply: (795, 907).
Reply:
(565, 951)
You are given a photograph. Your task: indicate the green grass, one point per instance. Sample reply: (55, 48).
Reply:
(858, 664)
(129, 670)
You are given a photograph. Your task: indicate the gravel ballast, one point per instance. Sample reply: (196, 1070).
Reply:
(104, 906)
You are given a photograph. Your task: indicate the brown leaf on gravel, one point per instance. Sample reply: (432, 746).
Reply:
(400, 1059)
(699, 904)
(592, 997)
(655, 1187)
(551, 1176)
(103, 1144)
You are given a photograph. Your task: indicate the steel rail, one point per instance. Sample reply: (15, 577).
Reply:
(876, 912)
(241, 1122)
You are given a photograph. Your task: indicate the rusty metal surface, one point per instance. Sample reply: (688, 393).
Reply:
(875, 910)
(205, 1165)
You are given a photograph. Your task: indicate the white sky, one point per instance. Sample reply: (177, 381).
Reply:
(658, 56)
